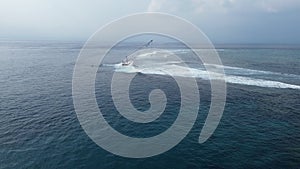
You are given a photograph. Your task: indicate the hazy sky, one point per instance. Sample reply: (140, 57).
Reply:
(224, 21)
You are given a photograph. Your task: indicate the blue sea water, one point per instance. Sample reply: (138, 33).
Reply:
(39, 127)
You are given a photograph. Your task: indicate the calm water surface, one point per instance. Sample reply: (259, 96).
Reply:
(39, 127)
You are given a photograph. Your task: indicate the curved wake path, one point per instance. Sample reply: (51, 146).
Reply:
(177, 70)
(156, 62)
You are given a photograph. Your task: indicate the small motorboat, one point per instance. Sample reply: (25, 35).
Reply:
(127, 62)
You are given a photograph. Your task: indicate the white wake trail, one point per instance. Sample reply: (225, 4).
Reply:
(159, 63)
(202, 74)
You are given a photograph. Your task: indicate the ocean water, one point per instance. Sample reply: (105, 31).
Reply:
(39, 127)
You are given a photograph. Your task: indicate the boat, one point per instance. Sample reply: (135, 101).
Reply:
(129, 62)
